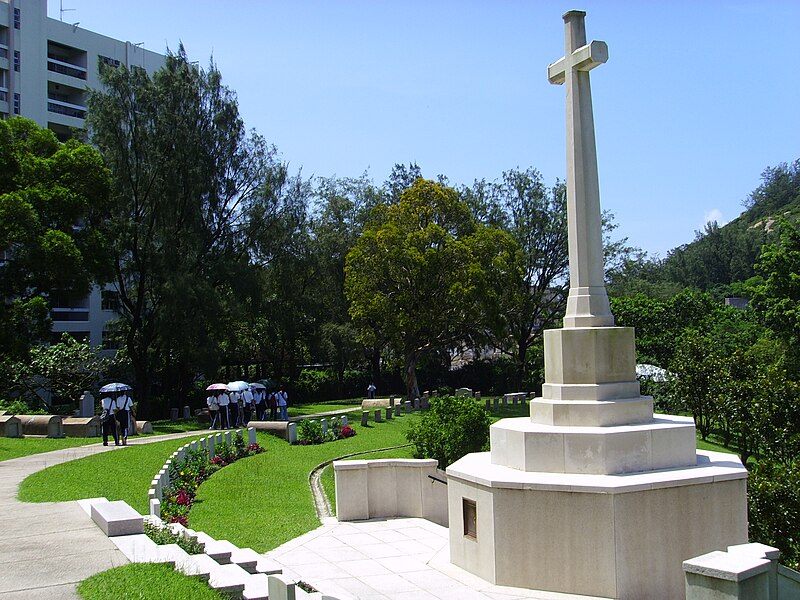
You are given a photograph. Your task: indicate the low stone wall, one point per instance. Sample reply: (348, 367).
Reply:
(744, 572)
(373, 403)
(82, 427)
(10, 426)
(47, 425)
(367, 489)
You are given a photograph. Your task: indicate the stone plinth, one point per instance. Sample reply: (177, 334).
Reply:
(614, 536)
(82, 427)
(663, 443)
(10, 426)
(48, 425)
(374, 403)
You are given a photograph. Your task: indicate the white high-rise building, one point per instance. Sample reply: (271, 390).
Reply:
(46, 67)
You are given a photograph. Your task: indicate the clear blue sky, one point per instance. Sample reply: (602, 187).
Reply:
(697, 97)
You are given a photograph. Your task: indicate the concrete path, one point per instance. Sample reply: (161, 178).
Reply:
(48, 548)
(389, 559)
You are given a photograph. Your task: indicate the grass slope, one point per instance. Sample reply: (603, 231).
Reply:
(122, 474)
(16, 447)
(145, 581)
(264, 501)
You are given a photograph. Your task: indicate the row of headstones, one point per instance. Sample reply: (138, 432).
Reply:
(511, 398)
(160, 483)
(395, 409)
(326, 424)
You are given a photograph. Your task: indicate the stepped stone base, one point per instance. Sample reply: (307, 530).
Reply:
(613, 536)
(663, 443)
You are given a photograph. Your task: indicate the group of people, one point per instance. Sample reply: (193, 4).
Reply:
(231, 409)
(116, 417)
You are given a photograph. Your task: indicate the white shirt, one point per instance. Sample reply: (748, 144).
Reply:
(108, 403)
(212, 401)
(248, 396)
(124, 402)
(223, 400)
(282, 397)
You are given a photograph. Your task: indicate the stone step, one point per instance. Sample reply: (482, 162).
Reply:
(197, 565)
(247, 558)
(256, 588)
(140, 548)
(117, 518)
(220, 550)
(267, 566)
(229, 579)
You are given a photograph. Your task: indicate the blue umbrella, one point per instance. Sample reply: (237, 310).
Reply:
(114, 387)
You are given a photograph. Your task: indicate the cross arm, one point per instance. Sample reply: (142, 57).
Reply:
(584, 58)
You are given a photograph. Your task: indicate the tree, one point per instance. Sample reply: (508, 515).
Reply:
(776, 298)
(189, 191)
(52, 197)
(533, 297)
(419, 273)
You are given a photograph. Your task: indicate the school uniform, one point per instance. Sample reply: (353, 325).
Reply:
(124, 405)
(224, 413)
(109, 424)
(247, 397)
(233, 408)
(213, 410)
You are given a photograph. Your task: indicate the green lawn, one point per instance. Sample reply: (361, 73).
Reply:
(122, 474)
(265, 500)
(16, 447)
(145, 581)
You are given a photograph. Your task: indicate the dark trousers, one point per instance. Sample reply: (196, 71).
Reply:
(260, 411)
(248, 410)
(123, 418)
(224, 416)
(273, 413)
(110, 426)
(233, 409)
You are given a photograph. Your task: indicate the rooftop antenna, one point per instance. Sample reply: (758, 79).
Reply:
(62, 10)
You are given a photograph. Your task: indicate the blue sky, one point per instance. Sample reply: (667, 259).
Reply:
(696, 99)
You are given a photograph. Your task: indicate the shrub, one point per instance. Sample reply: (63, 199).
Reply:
(452, 428)
(773, 502)
(346, 432)
(310, 432)
(162, 535)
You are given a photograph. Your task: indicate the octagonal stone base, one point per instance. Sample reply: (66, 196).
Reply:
(613, 536)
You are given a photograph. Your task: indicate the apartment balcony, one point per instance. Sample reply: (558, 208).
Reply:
(66, 108)
(69, 314)
(65, 68)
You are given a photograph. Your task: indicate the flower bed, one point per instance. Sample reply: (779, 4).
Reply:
(310, 431)
(185, 476)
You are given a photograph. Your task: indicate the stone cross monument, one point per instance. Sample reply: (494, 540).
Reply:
(587, 304)
(593, 493)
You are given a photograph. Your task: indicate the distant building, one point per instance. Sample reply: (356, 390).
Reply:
(46, 67)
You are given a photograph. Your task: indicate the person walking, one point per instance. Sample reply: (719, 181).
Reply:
(371, 390)
(247, 399)
(272, 402)
(213, 408)
(258, 403)
(108, 419)
(283, 404)
(223, 401)
(124, 405)
(233, 408)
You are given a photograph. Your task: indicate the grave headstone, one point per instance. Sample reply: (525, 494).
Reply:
(378, 415)
(187, 413)
(364, 418)
(173, 414)
(397, 408)
(389, 413)
(291, 432)
(344, 420)
(86, 404)
(463, 391)
(324, 424)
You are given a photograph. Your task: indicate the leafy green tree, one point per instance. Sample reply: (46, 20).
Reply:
(52, 197)
(532, 297)
(419, 273)
(190, 190)
(452, 428)
(776, 299)
(62, 371)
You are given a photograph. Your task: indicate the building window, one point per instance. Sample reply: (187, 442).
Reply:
(111, 62)
(470, 514)
(16, 104)
(17, 18)
(16, 60)
(110, 300)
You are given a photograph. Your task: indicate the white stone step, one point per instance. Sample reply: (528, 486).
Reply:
(117, 518)
(140, 548)
(268, 566)
(197, 565)
(229, 579)
(247, 558)
(220, 551)
(203, 538)
(256, 588)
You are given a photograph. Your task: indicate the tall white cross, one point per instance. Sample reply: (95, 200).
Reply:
(587, 304)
